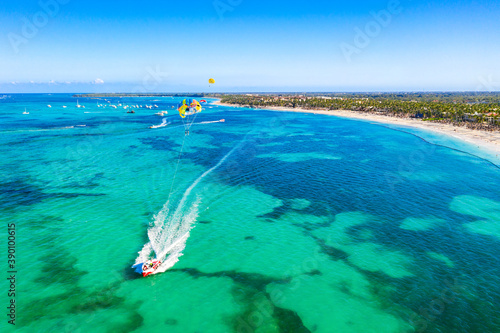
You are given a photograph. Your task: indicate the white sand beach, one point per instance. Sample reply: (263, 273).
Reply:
(488, 141)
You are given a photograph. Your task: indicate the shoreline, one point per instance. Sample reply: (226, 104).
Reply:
(487, 141)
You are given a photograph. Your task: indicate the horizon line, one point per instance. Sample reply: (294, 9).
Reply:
(260, 92)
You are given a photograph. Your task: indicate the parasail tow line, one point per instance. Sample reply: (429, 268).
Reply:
(176, 169)
(175, 243)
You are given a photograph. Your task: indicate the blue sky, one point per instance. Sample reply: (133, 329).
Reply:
(128, 46)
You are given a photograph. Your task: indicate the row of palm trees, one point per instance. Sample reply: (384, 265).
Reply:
(458, 110)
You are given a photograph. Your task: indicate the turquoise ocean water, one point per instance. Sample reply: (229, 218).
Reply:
(274, 222)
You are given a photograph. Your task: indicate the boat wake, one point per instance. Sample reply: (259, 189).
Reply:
(42, 130)
(170, 229)
(211, 122)
(163, 124)
(168, 234)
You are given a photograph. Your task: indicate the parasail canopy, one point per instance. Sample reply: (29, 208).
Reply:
(189, 107)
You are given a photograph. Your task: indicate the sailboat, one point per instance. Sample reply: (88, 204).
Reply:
(25, 112)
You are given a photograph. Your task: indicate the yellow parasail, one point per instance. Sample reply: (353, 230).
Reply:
(211, 81)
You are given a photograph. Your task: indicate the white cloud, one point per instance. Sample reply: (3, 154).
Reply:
(98, 81)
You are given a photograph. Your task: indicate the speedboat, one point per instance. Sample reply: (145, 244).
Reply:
(150, 266)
